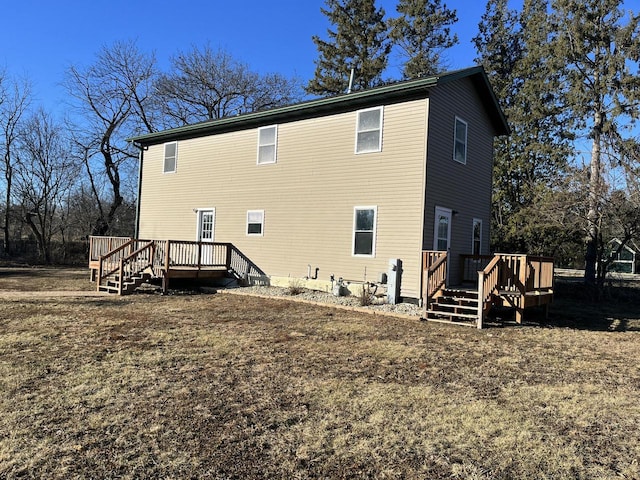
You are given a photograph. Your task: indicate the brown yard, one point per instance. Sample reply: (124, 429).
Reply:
(225, 386)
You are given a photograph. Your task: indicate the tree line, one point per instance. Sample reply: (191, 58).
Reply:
(64, 179)
(566, 73)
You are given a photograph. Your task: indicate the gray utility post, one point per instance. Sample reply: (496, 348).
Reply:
(394, 278)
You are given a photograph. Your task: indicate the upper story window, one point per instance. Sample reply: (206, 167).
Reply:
(170, 157)
(460, 142)
(255, 222)
(267, 140)
(364, 231)
(369, 130)
(476, 239)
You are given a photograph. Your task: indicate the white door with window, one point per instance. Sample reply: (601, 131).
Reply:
(206, 229)
(442, 232)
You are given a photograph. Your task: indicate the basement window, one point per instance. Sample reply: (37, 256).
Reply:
(170, 157)
(369, 130)
(364, 231)
(267, 140)
(255, 222)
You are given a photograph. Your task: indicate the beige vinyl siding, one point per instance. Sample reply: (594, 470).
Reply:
(308, 196)
(463, 188)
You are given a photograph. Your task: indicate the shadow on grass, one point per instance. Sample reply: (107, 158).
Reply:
(20, 272)
(576, 306)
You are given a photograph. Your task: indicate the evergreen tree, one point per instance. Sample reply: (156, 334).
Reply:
(359, 42)
(423, 32)
(528, 163)
(601, 51)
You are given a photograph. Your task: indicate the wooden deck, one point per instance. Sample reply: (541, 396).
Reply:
(121, 264)
(516, 281)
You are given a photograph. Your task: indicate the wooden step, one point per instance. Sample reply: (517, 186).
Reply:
(108, 288)
(457, 306)
(447, 307)
(440, 313)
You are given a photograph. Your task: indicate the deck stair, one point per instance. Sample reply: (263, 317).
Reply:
(111, 284)
(455, 306)
(514, 281)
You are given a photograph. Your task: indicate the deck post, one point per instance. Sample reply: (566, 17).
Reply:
(480, 299)
(228, 257)
(165, 273)
(120, 277)
(99, 279)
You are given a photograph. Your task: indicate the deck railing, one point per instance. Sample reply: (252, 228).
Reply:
(124, 257)
(196, 254)
(470, 266)
(99, 246)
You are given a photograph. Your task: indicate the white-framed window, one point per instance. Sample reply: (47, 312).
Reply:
(476, 237)
(364, 231)
(170, 157)
(369, 130)
(460, 141)
(267, 142)
(255, 222)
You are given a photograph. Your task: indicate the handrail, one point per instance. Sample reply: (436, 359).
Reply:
(135, 259)
(435, 274)
(240, 265)
(116, 255)
(488, 282)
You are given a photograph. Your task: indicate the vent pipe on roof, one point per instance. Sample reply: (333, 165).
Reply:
(353, 70)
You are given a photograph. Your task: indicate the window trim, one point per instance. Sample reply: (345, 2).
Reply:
(275, 145)
(261, 223)
(380, 128)
(175, 158)
(476, 221)
(374, 231)
(456, 140)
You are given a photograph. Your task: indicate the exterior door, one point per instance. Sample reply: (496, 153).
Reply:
(206, 229)
(442, 230)
(442, 234)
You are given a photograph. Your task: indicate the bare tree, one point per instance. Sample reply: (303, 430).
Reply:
(15, 97)
(207, 84)
(113, 99)
(45, 174)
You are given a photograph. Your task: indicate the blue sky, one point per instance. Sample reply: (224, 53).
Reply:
(39, 39)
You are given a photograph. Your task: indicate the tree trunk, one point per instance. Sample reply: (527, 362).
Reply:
(591, 254)
(7, 215)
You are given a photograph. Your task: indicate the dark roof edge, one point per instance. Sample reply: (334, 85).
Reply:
(391, 92)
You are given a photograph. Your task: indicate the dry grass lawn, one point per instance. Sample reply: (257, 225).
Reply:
(225, 386)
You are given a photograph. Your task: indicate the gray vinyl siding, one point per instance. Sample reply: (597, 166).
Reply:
(308, 195)
(463, 188)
